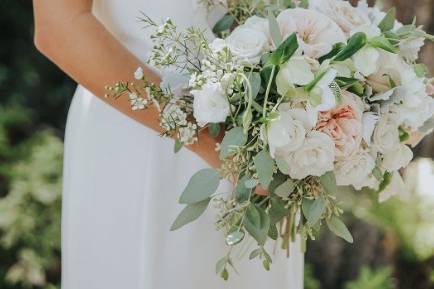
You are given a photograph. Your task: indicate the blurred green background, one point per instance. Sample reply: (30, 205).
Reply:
(394, 242)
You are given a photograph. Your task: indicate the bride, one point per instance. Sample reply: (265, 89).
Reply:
(121, 180)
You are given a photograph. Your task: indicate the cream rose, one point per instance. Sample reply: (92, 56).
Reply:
(296, 70)
(341, 12)
(386, 134)
(316, 32)
(210, 104)
(355, 169)
(285, 134)
(314, 158)
(396, 158)
(247, 43)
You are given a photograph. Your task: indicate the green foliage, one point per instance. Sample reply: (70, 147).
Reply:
(30, 212)
(310, 282)
(372, 279)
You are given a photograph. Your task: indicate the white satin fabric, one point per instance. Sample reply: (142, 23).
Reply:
(121, 186)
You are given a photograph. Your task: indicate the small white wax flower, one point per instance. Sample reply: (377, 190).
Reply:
(366, 60)
(139, 74)
(137, 103)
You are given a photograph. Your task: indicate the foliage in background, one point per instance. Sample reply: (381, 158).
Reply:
(372, 279)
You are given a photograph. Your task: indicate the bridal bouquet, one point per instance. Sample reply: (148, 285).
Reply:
(312, 96)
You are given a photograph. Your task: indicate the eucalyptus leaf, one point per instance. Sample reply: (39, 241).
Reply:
(233, 138)
(221, 264)
(214, 129)
(388, 21)
(338, 227)
(255, 253)
(277, 210)
(313, 209)
(251, 183)
(234, 238)
(189, 214)
(257, 223)
(242, 193)
(285, 189)
(273, 233)
(224, 24)
(255, 83)
(328, 182)
(383, 43)
(264, 166)
(201, 186)
(282, 165)
(247, 120)
(335, 50)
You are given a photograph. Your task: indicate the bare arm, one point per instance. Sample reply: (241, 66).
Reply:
(67, 33)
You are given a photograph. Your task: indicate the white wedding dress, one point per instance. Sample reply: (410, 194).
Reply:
(121, 186)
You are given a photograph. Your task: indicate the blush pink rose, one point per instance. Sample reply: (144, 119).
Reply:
(343, 124)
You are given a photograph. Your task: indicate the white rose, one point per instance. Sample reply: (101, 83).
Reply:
(297, 71)
(396, 158)
(410, 48)
(210, 104)
(390, 66)
(386, 134)
(341, 12)
(355, 170)
(247, 44)
(285, 134)
(218, 45)
(415, 116)
(316, 32)
(314, 158)
(366, 60)
(259, 24)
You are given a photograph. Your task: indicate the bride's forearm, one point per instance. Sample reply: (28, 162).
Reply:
(68, 33)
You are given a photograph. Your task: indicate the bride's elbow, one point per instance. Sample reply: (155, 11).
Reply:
(43, 41)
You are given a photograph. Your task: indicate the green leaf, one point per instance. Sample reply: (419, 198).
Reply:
(255, 253)
(214, 129)
(233, 138)
(285, 189)
(266, 264)
(328, 181)
(304, 4)
(264, 166)
(251, 183)
(387, 179)
(221, 264)
(383, 43)
(255, 83)
(277, 210)
(355, 43)
(274, 29)
(421, 70)
(242, 193)
(225, 274)
(224, 24)
(178, 145)
(282, 165)
(189, 214)
(388, 21)
(338, 227)
(403, 135)
(273, 233)
(257, 223)
(285, 50)
(335, 50)
(201, 186)
(313, 209)
(234, 238)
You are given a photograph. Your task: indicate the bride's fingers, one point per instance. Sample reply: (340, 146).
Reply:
(261, 191)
